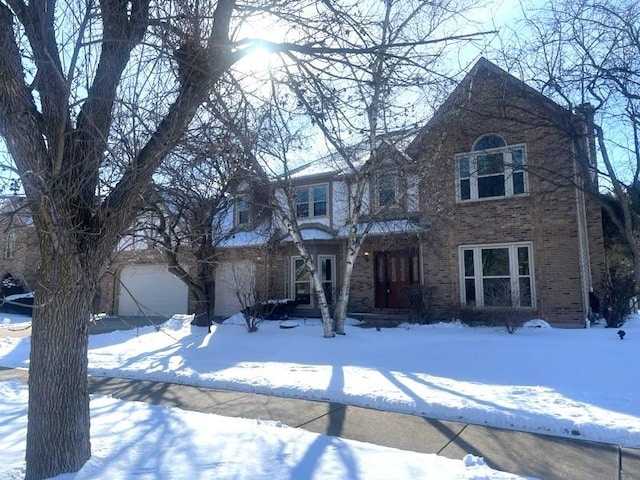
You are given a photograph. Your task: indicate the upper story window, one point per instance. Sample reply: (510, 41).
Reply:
(311, 201)
(387, 189)
(492, 170)
(243, 210)
(10, 247)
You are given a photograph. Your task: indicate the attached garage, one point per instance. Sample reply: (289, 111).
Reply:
(233, 278)
(151, 290)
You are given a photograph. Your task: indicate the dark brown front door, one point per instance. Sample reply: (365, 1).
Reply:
(394, 271)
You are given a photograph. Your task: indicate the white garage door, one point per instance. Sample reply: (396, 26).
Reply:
(233, 278)
(151, 290)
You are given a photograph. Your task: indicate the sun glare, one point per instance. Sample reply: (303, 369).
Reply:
(258, 59)
(255, 36)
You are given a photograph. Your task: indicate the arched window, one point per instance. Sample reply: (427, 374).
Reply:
(492, 169)
(485, 142)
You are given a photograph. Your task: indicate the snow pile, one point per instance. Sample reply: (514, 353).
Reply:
(540, 379)
(536, 323)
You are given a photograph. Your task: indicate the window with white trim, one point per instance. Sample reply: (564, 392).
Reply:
(388, 189)
(302, 282)
(327, 275)
(499, 276)
(243, 210)
(492, 170)
(311, 201)
(10, 247)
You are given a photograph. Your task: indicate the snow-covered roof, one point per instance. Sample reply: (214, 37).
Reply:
(384, 227)
(253, 238)
(332, 164)
(316, 234)
(335, 164)
(246, 239)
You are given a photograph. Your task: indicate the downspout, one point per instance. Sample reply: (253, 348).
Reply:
(585, 116)
(583, 242)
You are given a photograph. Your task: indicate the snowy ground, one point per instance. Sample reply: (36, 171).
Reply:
(574, 383)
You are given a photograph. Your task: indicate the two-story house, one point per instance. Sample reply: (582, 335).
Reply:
(483, 210)
(263, 255)
(512, 222)
(486, 210)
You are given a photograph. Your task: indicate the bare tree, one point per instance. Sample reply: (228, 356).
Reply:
(65, 70)
(189, 201)
(94, 96)
(361, 107)
(586, 56)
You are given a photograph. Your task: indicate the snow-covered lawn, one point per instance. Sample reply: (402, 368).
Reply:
(574, 383)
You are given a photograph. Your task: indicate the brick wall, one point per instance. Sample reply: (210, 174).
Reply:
(23, 262)
(547, 217)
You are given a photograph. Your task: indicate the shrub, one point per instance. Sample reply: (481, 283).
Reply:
(419, 297)
(278, 309)
(619, 290)
(509, 318)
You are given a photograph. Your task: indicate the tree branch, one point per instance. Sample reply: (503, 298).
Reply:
(20, 122)
(314, 49)
(122, 31)
(207, 68)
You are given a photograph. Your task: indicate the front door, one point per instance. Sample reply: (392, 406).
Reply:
(394, 271)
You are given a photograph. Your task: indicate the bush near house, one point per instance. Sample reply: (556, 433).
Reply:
(510, 319)
(278, 309)
(619, 290)
(420, 298)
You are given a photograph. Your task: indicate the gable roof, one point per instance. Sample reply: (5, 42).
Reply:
(462, 93)
(334, 164)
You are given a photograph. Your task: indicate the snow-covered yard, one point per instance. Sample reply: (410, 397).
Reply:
(574, 383)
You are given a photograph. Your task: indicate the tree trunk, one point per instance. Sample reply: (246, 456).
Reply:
(316, 282)
(58, 369)
(205, 293)
(323, 305)
(340, 312)
(203, 305)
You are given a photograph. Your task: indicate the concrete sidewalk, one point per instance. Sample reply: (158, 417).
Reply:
(538, 456)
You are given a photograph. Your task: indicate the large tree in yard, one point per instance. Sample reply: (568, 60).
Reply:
(93, 97)
(66, 71)
(586, 55)
(358, 104)
(188, 204)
